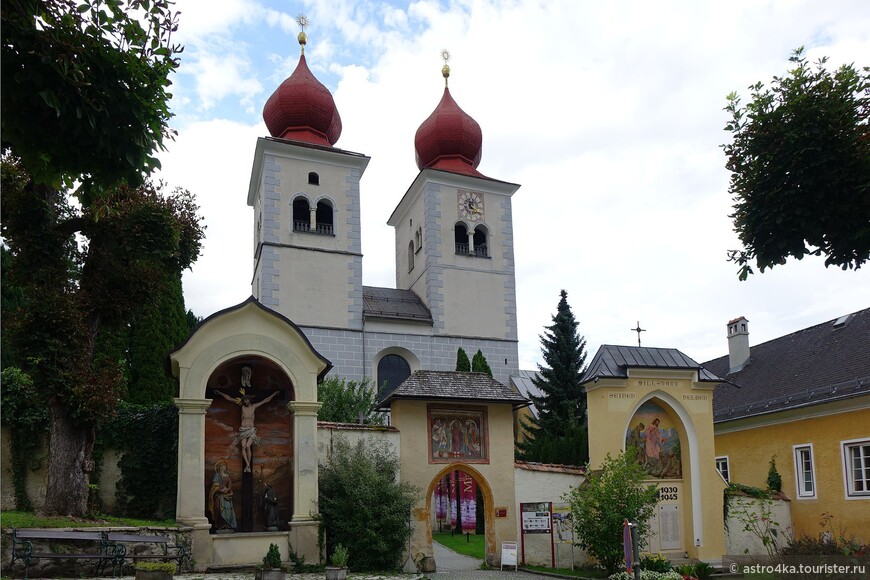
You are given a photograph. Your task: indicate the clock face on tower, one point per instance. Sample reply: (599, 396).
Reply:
(470, 205)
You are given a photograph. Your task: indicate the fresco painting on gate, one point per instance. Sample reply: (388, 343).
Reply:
(654, 437)
(457, 435)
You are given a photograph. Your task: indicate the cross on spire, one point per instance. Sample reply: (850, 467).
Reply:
(638, 330)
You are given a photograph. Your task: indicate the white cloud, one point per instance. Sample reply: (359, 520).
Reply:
(608, 114)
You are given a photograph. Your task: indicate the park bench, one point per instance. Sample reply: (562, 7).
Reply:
(169, 550)
(95, 546)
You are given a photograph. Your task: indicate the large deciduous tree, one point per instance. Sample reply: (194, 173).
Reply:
(84, 87)
(76, 295)
(560, 423)
(85, 103)
(800, 163)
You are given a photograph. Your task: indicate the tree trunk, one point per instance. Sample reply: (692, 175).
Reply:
(69, 464)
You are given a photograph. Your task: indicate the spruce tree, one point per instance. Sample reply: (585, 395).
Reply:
(462, 363)
(560, 425)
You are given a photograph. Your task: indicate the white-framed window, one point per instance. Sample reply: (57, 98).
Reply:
(856, 468)
(723, 468)
(804, 471)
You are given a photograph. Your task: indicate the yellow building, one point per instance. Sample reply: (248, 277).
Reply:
(804, 399)
(660, 402)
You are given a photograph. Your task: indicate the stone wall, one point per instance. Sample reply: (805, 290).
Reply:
(743, 510)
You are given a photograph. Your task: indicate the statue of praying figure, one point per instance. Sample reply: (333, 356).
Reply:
(247, 435)
(270, 509)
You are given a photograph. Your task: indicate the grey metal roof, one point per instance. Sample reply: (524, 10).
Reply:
(394, 304)
(523, 382)
(454, 385)
(819, 364)
(614, 361)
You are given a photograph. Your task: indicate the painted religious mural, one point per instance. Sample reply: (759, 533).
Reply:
(656, 442)
(262, 447)
(457, 435)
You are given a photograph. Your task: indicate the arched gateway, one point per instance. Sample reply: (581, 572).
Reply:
(457, 422)
(247, 433)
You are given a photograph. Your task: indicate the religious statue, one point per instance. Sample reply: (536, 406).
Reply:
(247, 434)
(270, 509)
(220, 499)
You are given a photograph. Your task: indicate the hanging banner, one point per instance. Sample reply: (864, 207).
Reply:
(441, 500)
(468, 496)
(453, 497)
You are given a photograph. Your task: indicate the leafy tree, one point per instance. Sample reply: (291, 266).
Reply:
(561, 407)
(800, 163)
(614, 493)
(462, 362)
(479, 364)
(75, 296)
(84, 87)
(11, 301)
(346, 401)
(364, 506)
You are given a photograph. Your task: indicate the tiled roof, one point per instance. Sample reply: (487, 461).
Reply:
(822, 363)
(453, 385)
(550, 467)
(614, 361)
(394, 304)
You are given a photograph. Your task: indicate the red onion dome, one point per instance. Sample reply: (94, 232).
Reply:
(302, 109)
(449, 139)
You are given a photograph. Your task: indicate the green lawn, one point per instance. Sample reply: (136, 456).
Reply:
(31, 520)
(472, 545)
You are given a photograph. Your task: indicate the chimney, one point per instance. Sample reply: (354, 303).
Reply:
(738, 344)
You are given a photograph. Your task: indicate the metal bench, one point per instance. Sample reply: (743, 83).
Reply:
(22, 548)
(171, 551)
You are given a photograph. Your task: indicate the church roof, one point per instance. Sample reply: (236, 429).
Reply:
(302, 109)
(819, 364)
(614, 361)
(394, 304)
(453, 386)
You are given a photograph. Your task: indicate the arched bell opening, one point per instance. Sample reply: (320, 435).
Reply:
(248, 474)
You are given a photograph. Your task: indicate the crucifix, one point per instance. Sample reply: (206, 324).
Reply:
(638, 330)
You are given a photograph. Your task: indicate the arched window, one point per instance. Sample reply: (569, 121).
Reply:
(392, 372)
(324, 218)
(460, 234)
(481, 248)
(313, 178)
(410, 256)
(301, 215)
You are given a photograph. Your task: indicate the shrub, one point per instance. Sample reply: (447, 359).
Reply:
(646, 575)
(608, 497)
(272, 559)
(363, 505)
(339, 556)
(168, 567)
(774, 479)
(703, 571)
(655, 563)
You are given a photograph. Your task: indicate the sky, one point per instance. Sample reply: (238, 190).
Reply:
(608, 114)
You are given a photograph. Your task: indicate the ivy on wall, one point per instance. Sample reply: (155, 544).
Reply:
(27, 420)
(147, 438)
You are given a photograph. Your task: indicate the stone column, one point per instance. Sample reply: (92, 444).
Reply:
(190, 497)
(470, 242)
(304, 459)
(313, 218)
(303, 526)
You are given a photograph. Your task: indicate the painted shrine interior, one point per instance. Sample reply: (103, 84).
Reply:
(654, 437)
(457, 434)
(271, 458)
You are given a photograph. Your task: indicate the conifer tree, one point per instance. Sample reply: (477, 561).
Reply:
(479, 364)
(560, 425)
(462, 363)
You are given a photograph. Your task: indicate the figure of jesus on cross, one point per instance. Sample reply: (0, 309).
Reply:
(247, 435)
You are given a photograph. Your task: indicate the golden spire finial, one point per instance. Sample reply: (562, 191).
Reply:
(302, 21)
(445, 70)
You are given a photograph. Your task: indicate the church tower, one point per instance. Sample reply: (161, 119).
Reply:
(454, 234)
(306, 198)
